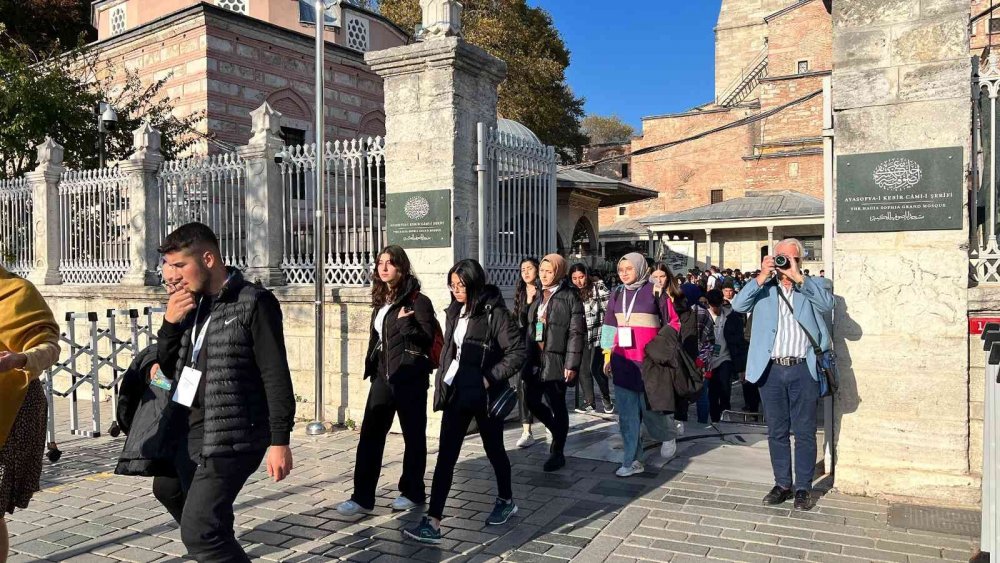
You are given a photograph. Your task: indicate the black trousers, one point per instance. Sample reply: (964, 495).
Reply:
(201, 499)
(522, 403)
(592, 371)
(385, 400)
(720, 389)
(454, 425)
(751, 396)
(547, 401)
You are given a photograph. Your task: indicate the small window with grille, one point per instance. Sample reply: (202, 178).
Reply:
(357, 33)
(238, 6)
(118, 19)
(994, 25)
(803, 67)
(621, 211)
(716, 196)
(625, 170)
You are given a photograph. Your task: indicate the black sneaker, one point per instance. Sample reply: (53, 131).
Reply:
(777, 496)
(803, 500)
(424, 532)
(609, 408)
(555, 461)
(585, 409)
(502, 511)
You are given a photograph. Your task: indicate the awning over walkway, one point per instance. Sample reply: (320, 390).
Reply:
(764, 209)
(610, 191)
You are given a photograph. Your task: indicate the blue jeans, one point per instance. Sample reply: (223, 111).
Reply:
(632, 413)
(790, 395)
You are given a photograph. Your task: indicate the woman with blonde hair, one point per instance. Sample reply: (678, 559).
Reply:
(29, 344)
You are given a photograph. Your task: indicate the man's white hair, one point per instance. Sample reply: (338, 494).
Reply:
(792, 241)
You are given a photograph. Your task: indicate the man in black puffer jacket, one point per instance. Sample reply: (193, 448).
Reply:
(223, 346)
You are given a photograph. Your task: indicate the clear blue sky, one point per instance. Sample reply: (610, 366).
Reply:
(640, 57)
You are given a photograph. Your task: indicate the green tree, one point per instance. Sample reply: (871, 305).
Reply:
(535, 91)
(602, 129)
(44, 25)
(44, 95)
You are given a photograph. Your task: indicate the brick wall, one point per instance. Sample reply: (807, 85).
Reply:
(804, 33)
(739, 36)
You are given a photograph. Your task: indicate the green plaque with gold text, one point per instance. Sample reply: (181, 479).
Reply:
(419, 219)
(915, 190)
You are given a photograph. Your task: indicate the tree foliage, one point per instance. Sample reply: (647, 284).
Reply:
(535, 92)
(45, 25)
(602, 129)
(56, 95)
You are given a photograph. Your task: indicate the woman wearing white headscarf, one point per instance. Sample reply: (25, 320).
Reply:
(634, 317)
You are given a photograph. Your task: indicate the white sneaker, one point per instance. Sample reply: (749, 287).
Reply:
(351, 508)
(628, 471)
(403, 503)
(525, 440)
(668, 449)
(679, 425)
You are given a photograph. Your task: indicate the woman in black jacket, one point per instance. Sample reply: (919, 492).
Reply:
(525, 292)
(557, 331)
(398, 364)
(483, 349)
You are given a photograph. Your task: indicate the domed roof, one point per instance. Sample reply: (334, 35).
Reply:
(512, 127)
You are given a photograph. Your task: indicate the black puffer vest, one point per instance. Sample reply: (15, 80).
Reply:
(235, 404)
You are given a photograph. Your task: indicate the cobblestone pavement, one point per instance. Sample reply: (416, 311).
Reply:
(583, 513)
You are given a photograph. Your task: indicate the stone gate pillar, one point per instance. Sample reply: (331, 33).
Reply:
(144, 209)
(901, 72)
(436, 91)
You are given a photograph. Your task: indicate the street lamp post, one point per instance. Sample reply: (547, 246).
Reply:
(316, 427)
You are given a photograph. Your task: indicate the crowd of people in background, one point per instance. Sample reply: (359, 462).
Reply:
(214, 398)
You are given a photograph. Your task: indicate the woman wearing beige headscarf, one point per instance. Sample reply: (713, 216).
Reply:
(29, 343)
(557, 332)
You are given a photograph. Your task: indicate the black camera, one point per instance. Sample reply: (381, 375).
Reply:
(782, 262)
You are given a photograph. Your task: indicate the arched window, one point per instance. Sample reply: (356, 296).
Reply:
(238, 6)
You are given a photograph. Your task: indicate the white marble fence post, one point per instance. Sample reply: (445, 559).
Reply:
(143, 206)
(264, 197)
(44, 180)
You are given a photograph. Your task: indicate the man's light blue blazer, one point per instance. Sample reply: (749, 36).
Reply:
(811, 301)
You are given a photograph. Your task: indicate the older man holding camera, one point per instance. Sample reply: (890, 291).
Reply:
(782, 363)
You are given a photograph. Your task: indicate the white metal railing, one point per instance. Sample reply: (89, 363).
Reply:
(93, 226)
(517, 201)
(353, 206)
(17, 242)
(984, 250)
(210, 190)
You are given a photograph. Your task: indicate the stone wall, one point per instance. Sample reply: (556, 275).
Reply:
(901, 81)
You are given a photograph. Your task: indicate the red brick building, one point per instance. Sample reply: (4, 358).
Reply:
(226, 57)
(765, 140)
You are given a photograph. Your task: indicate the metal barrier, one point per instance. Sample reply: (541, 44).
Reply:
(991, 452)
(86, 363)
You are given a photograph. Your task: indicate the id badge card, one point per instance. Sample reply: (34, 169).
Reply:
(716, 350)
(539, 331)
(625, 336)
(160, 381)
(187, 387)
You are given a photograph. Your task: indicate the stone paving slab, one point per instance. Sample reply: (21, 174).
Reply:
(703, 507)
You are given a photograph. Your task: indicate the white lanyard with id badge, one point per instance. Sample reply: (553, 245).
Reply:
(187, 387)
(540, 323)
(625, 332)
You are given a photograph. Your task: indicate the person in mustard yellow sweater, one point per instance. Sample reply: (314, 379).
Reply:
(29, 343)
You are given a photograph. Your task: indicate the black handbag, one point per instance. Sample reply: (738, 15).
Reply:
(826, 362)
(501, 399)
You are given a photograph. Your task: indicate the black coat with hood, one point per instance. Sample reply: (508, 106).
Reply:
(565, 334)
(403, 356)
(493, 348)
